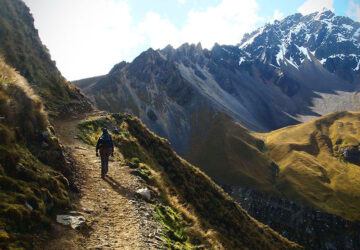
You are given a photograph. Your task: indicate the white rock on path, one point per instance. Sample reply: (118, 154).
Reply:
(144, 193)
(76, 221)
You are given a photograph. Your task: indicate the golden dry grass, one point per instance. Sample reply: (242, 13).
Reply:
(311, 169)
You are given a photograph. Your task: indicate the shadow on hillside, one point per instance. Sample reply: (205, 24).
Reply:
(117, 187)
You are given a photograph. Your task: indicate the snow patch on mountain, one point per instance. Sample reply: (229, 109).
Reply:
(305, 52)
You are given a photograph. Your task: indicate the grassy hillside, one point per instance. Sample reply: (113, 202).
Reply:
(316, 163)
(30, 190)
(231, 155)
(193, 209)
(313, 169)
(22, 49)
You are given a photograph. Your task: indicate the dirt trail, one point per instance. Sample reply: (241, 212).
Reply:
(118, 219)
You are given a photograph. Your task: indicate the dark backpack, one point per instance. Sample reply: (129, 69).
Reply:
(106, 141)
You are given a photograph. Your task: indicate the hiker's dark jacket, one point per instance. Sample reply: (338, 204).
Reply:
(105, 141)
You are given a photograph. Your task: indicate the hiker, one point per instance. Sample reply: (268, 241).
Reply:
(106, 147)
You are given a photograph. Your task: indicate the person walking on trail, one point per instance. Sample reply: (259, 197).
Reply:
(106, 147)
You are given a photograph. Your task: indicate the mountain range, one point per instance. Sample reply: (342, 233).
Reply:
(281, 74)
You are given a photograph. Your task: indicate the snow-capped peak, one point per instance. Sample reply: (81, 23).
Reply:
(323, 33)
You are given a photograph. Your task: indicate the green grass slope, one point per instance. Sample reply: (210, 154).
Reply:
(22, 49)
(197, 213)
(30, 190)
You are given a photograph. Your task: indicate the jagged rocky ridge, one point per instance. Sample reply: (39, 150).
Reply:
(281, 74)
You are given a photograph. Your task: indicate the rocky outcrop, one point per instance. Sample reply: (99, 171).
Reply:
(311, 228)
(350, 154)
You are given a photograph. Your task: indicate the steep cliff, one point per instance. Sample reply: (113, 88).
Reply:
(22, 49)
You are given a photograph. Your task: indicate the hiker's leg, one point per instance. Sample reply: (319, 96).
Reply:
(108, 152)
(106, 164)
(103, 162)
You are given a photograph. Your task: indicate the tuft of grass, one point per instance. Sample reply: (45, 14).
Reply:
(135, 160)
(174, 230)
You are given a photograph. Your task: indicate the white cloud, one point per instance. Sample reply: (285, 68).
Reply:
(277, 16)
(354, 10)
(159, 32)
(225, 23)
(311, 6)
(182, 1)
(87, 37)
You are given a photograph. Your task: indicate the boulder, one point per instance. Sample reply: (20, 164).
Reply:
(145, 193)
(74, 219)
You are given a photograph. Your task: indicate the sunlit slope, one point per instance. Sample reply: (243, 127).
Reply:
(313, 169)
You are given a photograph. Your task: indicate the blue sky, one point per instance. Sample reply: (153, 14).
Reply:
(87, 37)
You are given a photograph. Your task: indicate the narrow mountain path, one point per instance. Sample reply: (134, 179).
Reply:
(118, 218)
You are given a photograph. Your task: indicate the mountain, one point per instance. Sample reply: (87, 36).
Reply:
(281, 74)
(22, 49)
(333, 41)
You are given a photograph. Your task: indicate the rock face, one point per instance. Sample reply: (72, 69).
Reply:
(279, 75)
(310, 228)
(351, 154)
